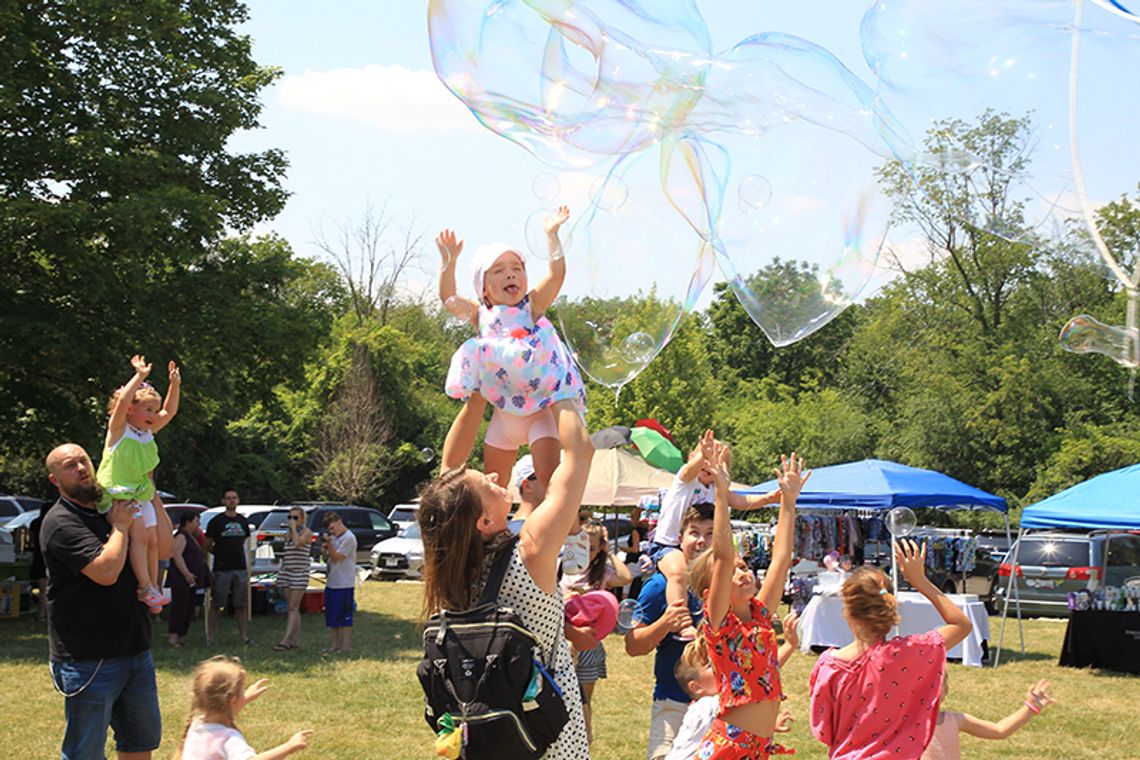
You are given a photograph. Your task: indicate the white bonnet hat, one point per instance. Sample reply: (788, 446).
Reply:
(486, 255)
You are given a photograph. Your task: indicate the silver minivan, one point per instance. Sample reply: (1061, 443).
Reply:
(1051, 565)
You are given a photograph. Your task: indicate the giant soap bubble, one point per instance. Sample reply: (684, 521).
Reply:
(788, 149)
(616, 313)
(574, 83)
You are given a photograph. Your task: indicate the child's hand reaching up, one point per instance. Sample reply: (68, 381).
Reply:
(555, 219)
(784, 722)
(449, 248)
(791, 476)
(175, 373)
(142, 369)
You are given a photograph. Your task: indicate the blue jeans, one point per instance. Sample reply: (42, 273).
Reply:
(119, 692)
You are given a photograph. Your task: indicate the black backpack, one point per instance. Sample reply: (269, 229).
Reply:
(483, 675)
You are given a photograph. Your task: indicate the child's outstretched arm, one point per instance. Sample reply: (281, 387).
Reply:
(912, 565)
(547, 289)
(723, 549)
(791, 477)
(173, 396)
(118, 421)
(296, 743)
(449, 249)
(1036, 700)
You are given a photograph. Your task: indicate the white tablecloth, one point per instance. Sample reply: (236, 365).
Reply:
(822, 623)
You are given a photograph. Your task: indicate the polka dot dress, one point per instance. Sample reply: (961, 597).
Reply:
(542, 614)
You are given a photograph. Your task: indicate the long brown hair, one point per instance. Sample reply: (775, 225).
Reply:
(216, 682)
(449, 514)
(596, 570)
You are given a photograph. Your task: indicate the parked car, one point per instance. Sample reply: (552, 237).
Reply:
(1052, 564)
(275, 527)
(404, 515)
(368, 525)
(254, 515)
(399, 557)
(10, 506)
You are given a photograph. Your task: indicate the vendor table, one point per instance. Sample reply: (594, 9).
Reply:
(822, 623)
(1099, 639)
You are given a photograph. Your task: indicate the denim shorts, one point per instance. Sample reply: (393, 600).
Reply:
(339, 605)
(119, 692)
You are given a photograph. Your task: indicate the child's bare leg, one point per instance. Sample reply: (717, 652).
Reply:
(152, 554)
(546, 453)
(140, 562)
(461, 435)
(499, 461)
(674, 568)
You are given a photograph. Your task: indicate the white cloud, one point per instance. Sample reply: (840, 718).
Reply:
(393, 98)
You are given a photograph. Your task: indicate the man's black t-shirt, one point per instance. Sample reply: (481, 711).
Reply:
(229, 535)
(88, 621)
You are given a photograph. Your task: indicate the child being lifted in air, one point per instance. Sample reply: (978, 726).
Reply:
(517, 363)
(126, 470)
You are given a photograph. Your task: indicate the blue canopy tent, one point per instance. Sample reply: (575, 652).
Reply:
(1111, 500)
(878, 484)
(1107, 502)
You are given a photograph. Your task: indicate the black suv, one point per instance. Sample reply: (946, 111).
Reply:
(368, 525)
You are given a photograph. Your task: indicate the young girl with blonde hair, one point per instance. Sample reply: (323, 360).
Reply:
(218, 694)
(126, 471)
(737, 628)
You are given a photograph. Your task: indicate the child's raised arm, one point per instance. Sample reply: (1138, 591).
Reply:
(791, 478)
(547, 290)
(449, 249)
(723, 549)
(118, 420)
(791, 638)
(912, 564)
(173, 396)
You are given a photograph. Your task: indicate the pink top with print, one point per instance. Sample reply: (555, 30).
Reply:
(883, 703)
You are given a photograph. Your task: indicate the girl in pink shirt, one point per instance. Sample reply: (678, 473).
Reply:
(945, 745)
(876, 698)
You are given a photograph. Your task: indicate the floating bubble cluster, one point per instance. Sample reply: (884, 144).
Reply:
(766, 158)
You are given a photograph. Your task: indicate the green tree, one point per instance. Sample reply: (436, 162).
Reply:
(116, 188)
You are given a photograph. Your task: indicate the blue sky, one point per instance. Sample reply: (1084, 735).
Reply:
(363, 118)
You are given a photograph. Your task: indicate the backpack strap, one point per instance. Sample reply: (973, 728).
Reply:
(498, 572)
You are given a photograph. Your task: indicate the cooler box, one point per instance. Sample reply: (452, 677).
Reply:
(314, 600)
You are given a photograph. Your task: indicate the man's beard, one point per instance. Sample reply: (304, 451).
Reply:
(89, 493)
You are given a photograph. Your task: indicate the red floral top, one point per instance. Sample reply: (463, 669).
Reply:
(744, 658)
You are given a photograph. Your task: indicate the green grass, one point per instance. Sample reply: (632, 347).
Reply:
(369, 705)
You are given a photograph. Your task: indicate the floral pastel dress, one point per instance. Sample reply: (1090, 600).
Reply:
(519, 365)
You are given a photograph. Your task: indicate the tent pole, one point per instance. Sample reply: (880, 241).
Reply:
(1008, 592)
(1017, 593)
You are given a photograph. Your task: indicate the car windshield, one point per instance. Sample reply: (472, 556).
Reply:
(412, 531)
(275, 521)
(403, 515)
(1050, 553)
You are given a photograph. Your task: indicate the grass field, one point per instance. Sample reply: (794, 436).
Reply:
(369, 705)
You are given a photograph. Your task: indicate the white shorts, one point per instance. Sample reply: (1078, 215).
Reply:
(509, 431)
(664, 723)
(146, 512)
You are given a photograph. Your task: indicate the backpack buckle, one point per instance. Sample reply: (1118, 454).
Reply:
(442, 628)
